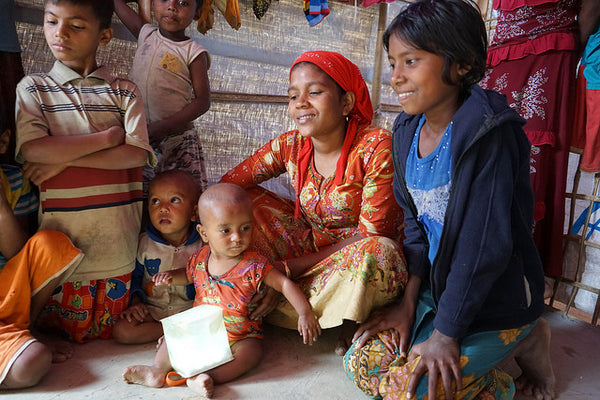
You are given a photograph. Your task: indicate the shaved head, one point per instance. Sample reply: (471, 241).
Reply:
(224, 195)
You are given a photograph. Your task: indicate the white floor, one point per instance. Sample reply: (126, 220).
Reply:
(290, 370)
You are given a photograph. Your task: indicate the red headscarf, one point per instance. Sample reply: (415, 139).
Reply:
(348, 76)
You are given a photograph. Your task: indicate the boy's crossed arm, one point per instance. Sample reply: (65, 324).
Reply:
(48, 156)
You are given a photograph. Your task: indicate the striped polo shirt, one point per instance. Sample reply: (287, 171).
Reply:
(100, 210)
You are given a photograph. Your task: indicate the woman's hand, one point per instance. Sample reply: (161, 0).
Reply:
(440, 355)
(398, 316)
(267, 300)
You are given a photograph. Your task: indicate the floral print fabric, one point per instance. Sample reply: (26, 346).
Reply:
(378, 369)
(365, 274)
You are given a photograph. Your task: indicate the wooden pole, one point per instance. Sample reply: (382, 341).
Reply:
(376, 86)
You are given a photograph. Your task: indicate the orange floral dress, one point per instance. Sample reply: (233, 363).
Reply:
(364, 274)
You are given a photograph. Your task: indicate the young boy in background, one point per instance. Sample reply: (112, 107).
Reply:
(167, 244)
(82, 135)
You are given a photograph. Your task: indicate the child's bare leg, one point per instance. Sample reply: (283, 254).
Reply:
(41, 297)
(29, 368)
(246, 353)
(137, 332)
(532, 355)
(61, 350)
(150, 375)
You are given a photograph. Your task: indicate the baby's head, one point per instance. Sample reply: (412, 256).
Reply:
(451, 29)
(174, 16)
(225, 212)
(172, 198)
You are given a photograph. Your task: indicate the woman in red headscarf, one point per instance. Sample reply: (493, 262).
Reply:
(340, 238)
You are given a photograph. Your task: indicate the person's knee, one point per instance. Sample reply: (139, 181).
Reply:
(44, 236)
(122, 332)
(30, 367)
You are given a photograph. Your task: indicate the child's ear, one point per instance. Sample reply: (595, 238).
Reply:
(106, 35)
(463, 70)
(4, 141)
(202, 232)
(195, 217)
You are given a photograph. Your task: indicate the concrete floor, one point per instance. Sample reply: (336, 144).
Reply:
(290, 370)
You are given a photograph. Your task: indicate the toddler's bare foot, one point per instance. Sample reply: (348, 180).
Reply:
(144, 375)
(61, 351)
(201, 384)
(533, 357)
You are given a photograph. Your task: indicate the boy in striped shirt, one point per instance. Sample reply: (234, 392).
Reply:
(82, 136)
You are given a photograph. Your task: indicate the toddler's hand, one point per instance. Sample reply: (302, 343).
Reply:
(135, 313)
(309, 328)
(162, 278)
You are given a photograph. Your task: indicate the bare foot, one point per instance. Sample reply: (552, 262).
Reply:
(341, 347)
(548, 290)
(202, 384)
(61, 349)
(344, 341)
(144, 375)
(533, 357)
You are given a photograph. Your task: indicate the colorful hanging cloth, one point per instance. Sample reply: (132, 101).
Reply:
(315, 11)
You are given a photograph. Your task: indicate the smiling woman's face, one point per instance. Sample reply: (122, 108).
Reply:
(316, 103)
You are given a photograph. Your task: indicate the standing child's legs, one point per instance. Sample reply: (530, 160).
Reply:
(246, 355)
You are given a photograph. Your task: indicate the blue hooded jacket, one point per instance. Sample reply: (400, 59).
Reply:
(487, 273)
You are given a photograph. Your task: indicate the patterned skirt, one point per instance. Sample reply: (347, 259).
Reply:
(182, 151)
(347, 285)
(378, 369)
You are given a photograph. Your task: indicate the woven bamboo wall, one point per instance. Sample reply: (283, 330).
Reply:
(246, 65)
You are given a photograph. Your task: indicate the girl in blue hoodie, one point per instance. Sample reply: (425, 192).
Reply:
(461, 159)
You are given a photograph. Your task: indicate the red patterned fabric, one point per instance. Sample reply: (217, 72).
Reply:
(83, 311)
(532, 60)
